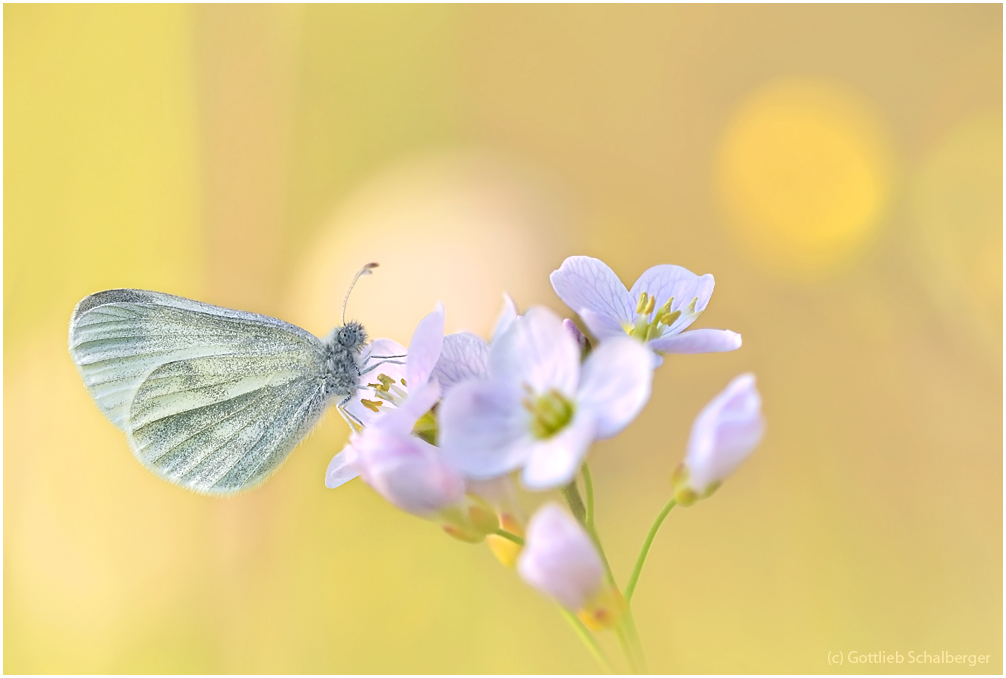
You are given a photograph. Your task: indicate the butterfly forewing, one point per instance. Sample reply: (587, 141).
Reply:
(212, 399)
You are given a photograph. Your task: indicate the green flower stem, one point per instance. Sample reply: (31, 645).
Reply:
(632, 647)
(510, 535)
(634, 579)
(626, 629)
(572, 495)
(588, 489)
(585, 636)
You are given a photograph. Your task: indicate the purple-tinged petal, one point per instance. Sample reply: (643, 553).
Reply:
(698, 341)
(402, 419)
(588, 283)
(724, 434)
(560, 560)
(553, 462)
(665, 281)
(601, 326)
(341, 469)
(484, 429)
(537, 351)
(464, 356)
(508, 314)
(424, 348)
(616, 383)
(408, 472)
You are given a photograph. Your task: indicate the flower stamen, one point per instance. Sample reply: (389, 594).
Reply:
(552, 411)
(372, 405)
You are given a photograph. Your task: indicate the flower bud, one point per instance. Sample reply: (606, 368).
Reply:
(723, 435)
(560, 560)
(580, 337)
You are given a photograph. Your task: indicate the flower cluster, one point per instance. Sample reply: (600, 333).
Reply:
(446, 433)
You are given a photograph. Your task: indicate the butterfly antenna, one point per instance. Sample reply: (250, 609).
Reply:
(363, 271)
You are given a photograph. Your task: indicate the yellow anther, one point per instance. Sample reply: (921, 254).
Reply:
(650, 305)
(666, 308)
(691, 306)
(403, 382)
(669, 318)
(386, 381)
(643, 300)
(372, 405)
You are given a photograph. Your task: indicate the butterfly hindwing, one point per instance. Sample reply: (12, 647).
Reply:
(221, 424)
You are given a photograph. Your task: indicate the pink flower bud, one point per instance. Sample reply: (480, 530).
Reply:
(723, 435)
(560, 560)
(580, 337)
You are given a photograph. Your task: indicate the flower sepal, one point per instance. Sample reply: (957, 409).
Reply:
(605, 610)
(684, 493)
(471, 520)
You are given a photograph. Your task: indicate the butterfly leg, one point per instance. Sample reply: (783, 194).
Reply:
(378, 364)
(351, 419)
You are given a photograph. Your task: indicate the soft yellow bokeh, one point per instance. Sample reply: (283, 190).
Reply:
(838, 168)
(804, 174)
(958, 209)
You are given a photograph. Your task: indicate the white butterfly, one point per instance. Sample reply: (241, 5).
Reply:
(210, 398)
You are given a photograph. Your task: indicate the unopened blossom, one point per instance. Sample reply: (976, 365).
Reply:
(560, 560)
(723, 435)
(661, 304)
(580, 337)
(539, 408)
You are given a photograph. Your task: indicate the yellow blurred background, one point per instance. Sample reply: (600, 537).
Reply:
(837, 168)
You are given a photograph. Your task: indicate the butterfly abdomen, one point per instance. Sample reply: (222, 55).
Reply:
(342, 349)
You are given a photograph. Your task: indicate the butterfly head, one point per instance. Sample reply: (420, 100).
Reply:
(351, 336)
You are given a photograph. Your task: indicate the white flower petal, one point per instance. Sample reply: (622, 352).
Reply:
(698, 341)
(601, 326)
(372, 364)
(341, 469)
(615, 384)
(403, 418)
(539, 352)
(424, 347)
(484, 429)
(505, 319)
(554, 462)
(666, 281)
(588, 283)
(724, 433)
(464, 356)
(559, 559)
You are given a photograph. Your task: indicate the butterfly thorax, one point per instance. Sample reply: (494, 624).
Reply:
(341, 368)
